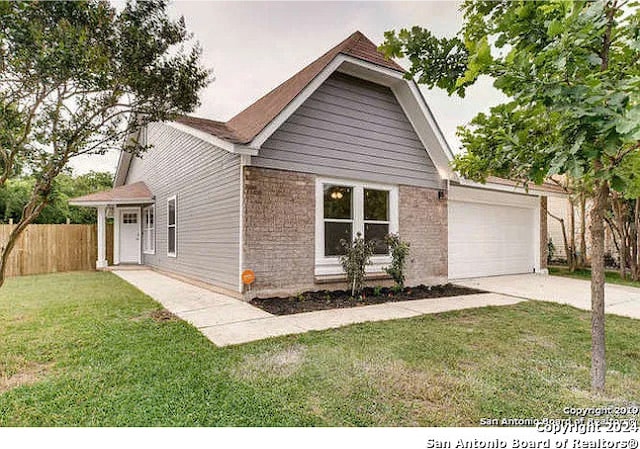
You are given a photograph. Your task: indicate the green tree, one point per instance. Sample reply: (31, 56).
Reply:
(571, 72)
(81, 78)
(14, 196)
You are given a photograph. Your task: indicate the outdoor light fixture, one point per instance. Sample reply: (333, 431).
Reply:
(440, 194)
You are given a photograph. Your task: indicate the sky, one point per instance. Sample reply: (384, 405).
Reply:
(254, 46)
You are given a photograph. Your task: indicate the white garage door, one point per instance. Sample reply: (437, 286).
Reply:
(491, 239)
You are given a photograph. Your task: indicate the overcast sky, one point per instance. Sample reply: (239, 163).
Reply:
(254, 46)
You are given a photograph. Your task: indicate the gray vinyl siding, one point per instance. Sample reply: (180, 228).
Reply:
(206, 181)
(351, 128)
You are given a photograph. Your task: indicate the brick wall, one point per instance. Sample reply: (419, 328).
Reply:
(423, 223)
(279, 230)
(279, 233)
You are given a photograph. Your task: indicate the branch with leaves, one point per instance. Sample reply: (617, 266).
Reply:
(81, 78)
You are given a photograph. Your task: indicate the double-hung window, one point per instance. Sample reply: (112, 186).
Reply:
(172, 219)
(149, 229)
(347, 208)
(338, 217)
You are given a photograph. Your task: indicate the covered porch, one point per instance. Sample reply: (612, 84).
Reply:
(132, 208)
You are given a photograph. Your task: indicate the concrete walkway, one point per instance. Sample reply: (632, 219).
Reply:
(228, 321)
(619, 299)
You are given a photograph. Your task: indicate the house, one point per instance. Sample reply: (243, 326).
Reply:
(346, 145)
(561, 208)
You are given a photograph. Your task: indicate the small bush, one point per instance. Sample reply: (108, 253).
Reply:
(357, 256)
(399, 252)
(551, 250)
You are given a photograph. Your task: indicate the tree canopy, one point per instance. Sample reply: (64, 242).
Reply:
(571, 71)
(16, 192)
(81, 78)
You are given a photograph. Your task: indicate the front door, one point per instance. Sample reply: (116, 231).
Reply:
(129, 235)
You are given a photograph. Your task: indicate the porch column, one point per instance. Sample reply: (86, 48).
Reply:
(102, 238)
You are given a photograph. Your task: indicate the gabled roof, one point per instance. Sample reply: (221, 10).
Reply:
(137, 193)
(247, 124)
(356, 56)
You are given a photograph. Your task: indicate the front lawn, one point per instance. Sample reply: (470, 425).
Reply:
(611, 277)
(88, 349)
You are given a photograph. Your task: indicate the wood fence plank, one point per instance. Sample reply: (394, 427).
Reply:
(52, 248)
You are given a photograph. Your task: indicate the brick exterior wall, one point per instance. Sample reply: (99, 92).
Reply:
(279, 230)
(544, 234)
(279, 233)
(423, 223)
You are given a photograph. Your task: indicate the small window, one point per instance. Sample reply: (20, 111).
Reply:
(376, 219)
(129, 218)
(338, 218)
(149, 230)
(172, 219)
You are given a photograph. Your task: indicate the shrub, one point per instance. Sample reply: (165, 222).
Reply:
(357, 256)
(399, 252)
(551, 250)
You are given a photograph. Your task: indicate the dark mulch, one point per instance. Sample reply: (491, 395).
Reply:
(337, 299)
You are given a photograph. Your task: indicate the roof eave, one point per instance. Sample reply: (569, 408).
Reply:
(213, 140)
(533, 190)
(129, 201)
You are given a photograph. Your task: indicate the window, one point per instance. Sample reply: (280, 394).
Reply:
(129, 218)
(376, 219)
(345, 208)
(338, 218)
(149, 230)
(171, 226)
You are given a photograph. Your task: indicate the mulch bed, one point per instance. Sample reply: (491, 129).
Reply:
(337, 299)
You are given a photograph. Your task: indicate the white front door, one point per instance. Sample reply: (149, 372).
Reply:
(129, 235)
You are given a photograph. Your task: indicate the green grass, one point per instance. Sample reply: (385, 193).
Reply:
(611, 277)
(84, 349)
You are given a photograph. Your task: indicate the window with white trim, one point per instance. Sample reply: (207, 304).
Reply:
(149, 229)
(346, 208)
(172, 219)
(338, 217)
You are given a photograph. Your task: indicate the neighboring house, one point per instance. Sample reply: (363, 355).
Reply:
(560, 207)
(345, 146)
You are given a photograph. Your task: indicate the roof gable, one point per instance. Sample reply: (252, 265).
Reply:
(356, 56)
(246, 125)
(352, 129)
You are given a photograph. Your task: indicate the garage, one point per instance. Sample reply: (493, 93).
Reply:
(492, 232)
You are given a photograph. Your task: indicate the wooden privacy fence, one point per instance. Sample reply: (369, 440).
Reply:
(51, 248)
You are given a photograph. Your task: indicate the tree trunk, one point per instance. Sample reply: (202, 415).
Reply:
(564, 235)
(635, 273)
(572, 236)
(620, 216)
(633, 244)
(7, 247)
(598, 360)
(583, 230)
(32, 209)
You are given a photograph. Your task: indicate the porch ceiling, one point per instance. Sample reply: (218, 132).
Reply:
(137, 193)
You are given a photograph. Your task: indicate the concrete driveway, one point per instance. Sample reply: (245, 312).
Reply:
(619, 299)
